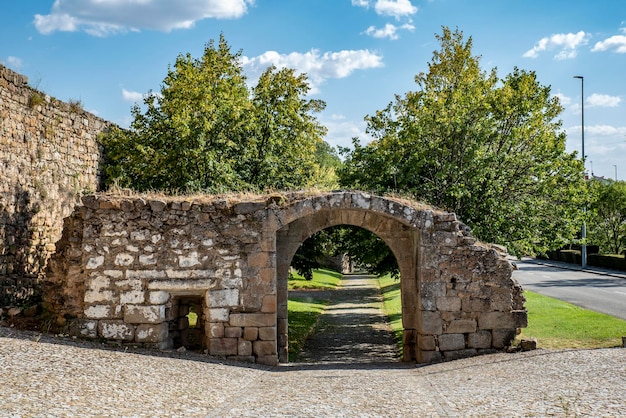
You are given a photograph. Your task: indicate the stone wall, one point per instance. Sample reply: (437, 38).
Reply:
(48, 155)
(131, 268)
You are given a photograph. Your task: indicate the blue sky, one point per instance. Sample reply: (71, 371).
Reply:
(358, 53)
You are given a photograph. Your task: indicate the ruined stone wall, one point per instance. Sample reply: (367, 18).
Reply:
(48, 155)
(130, 269)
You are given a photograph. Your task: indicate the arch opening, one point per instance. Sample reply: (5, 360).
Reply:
(400, 239)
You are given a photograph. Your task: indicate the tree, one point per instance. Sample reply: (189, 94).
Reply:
(491, 150)
(607, 224)
(207, 131)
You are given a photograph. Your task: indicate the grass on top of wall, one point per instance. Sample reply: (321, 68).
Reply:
(323, 279)
(557, 324)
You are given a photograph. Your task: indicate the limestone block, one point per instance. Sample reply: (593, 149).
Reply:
(116, 330)
(494, 320)
(457, 354)
(124, 259)
(461, 326)
(144, 314)
(223, 298)
(264, 348)
(260, 260)
(428, 304)
(181, 285)
(271, 360)
(449, 342)
(158, 297)
(475, 305)
(252, 320)
(447, 303)
(95, 262)
(219, 314)
(502, 337)
(149, 333)
(267, 333)
(269, 304)
(431, 323)
(98, 312)
(233, 332)
(480, 339)
(244, 348)
(250, 333)
(132, 297)
(89, 329)
(223, 346)
(426, 342)
(145, 274)
(189, 260)
(433, 290)
(147, 260)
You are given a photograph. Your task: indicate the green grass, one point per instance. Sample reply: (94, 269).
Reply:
(322, 279)
(390, 290)
(558, 324)
(303, 315)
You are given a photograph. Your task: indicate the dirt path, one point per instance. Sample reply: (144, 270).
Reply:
(353, 327)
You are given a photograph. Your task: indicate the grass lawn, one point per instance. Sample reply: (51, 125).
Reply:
(390, 290)
(554, 323)
(304, 312)
(558, 324)
(322, 279)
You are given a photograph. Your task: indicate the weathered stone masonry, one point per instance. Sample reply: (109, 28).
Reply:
(48, 154)
(130, 269)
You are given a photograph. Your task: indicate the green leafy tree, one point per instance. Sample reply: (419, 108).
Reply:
(491, 150)
(206, 130)
(607, 223)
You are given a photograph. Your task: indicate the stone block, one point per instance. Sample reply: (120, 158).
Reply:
(116, 330)
(271, 360)
(458, 354)
(264, 348)
(223, 298)
(252, 320)
(502, 338)
(98, 312)
(215, 330)
(480, 339)
(244, 348)
(144, 314)
(233, 332)
(219, 314)
(461, 326)
(269, 304)
(223, 346)
(150, 333)
(431, 323)
(475, 305)
(495, 320)
(451, 342)
(158, 297)
(426, 342)
(433, 290)
(267, 333)
(424, 356)
(260, 260)
(250, 333)
(132, 297)
(447, 303)
(89, 329)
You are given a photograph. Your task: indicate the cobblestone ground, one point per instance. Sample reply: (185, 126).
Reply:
(46, 376)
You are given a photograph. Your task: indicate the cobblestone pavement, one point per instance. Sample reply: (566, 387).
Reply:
(47, 376)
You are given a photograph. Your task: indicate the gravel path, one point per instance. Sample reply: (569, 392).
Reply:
(47, 376)
(352, 328)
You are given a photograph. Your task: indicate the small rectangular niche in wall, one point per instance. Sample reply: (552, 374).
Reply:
(186, 325)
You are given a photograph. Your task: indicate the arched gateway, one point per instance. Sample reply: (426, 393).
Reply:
(132, 268)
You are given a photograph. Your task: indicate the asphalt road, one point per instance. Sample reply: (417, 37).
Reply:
(600, 291)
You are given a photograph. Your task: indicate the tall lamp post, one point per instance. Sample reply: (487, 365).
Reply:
(583, 249)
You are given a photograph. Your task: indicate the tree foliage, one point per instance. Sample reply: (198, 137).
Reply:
(491, 150)
(207, 130)
(607, 217)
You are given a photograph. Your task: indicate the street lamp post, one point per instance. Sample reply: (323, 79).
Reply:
(615, 166)
(583, 247)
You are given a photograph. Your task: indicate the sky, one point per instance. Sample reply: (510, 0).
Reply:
(358, 54)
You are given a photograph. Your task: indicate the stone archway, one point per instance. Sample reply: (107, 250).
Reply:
(399, 237)
(124, 263)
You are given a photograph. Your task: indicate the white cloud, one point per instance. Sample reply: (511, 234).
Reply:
(389, 31)
(603, 100)
(318, 67)
(341, 131)
(565, 43)
(132, 96)
(565, 100)
(13, 62)
(105, 17)
(394, 8)
(615, 43)
(605, 130)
